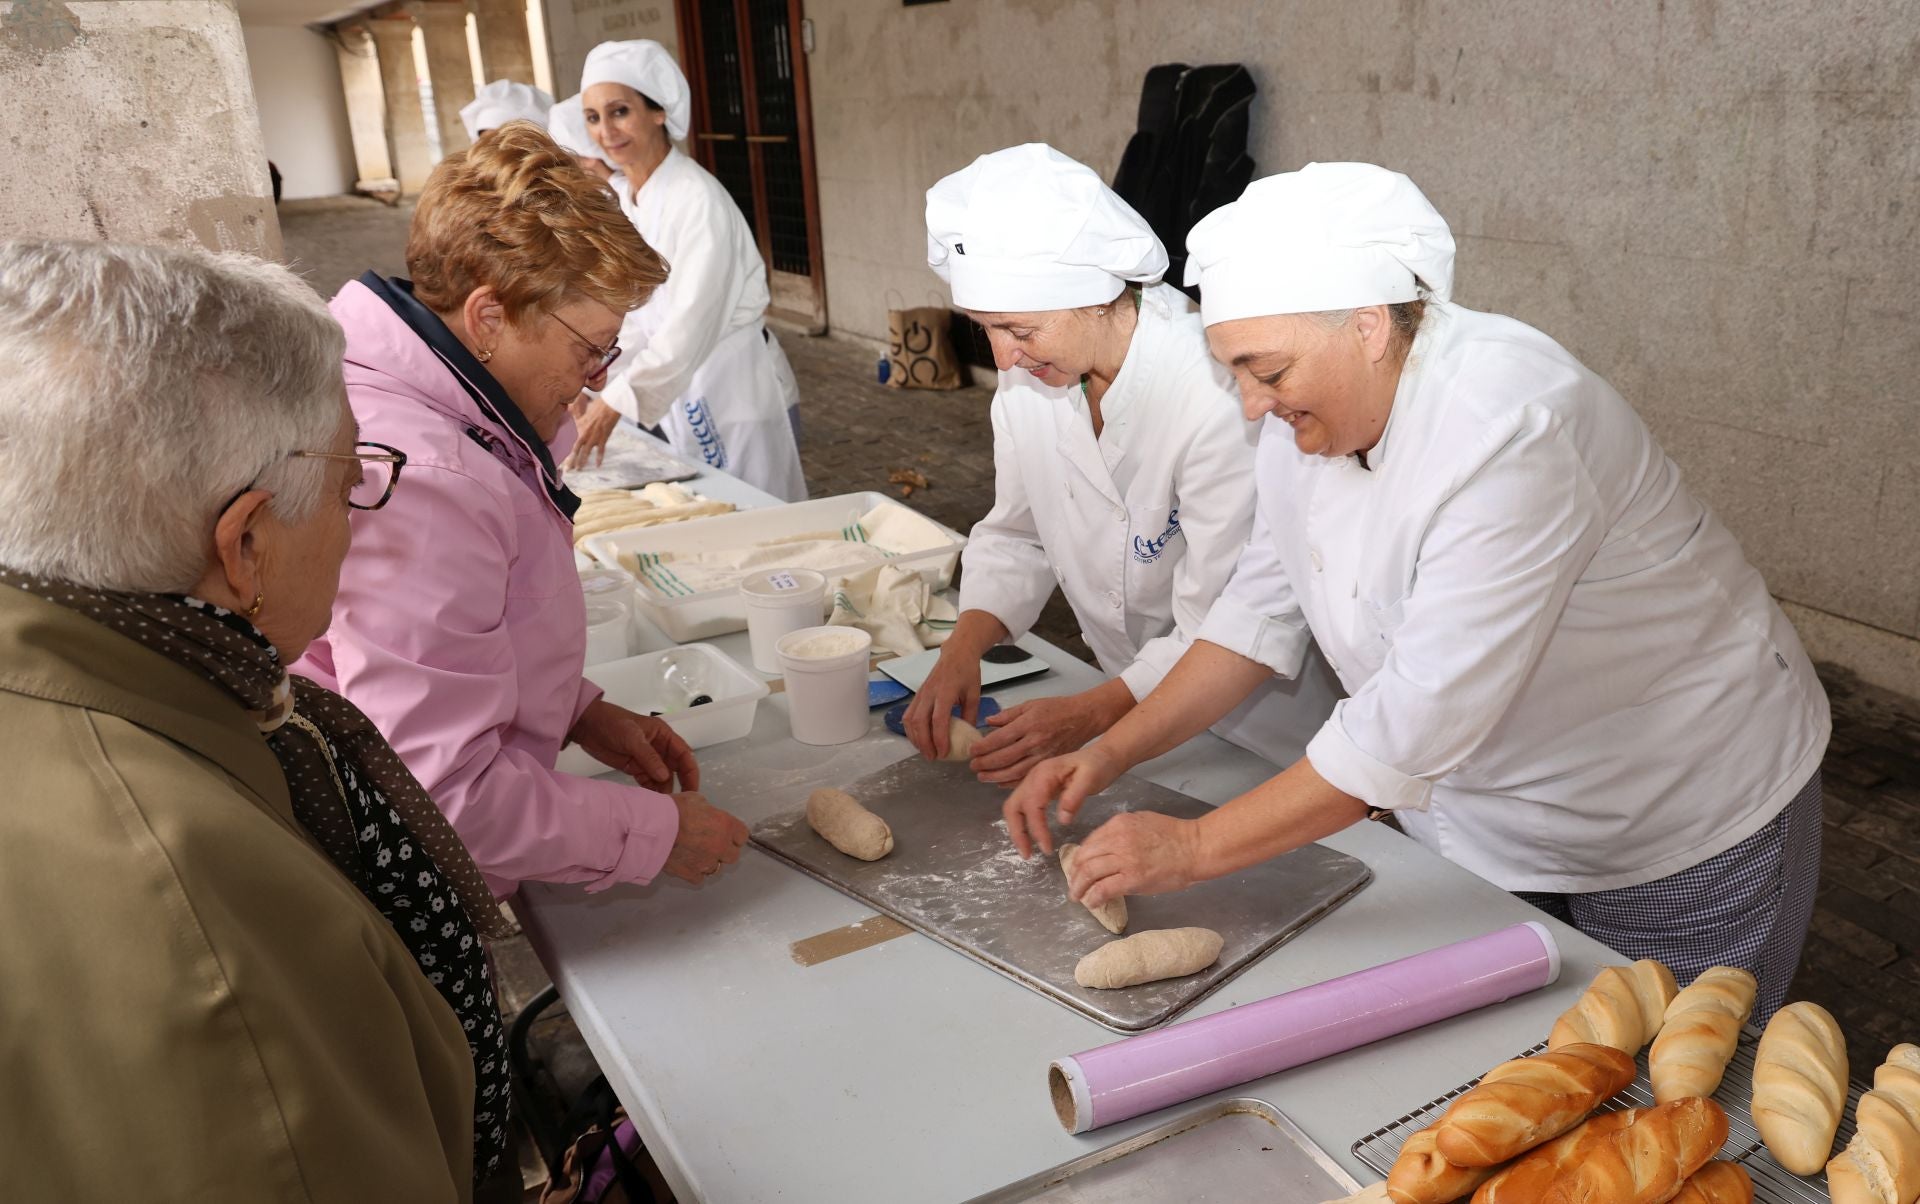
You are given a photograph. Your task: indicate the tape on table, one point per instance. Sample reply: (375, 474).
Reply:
(1198, 1057)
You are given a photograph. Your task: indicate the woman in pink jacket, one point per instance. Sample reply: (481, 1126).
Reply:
(460, 628)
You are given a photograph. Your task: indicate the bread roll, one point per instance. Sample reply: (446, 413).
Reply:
(1113, 913)
(1521, 1103)
(1717, 1183)
(1701, 1031)
(1421, 1175)
(1623, 1008)
(961, 737)
(1527, 1179)
(1148, 957)
(847, 826)
(1800, 1086)
(1649, 1161)
(1881, 1165)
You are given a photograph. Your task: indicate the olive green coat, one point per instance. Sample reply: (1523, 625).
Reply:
(194, 1003)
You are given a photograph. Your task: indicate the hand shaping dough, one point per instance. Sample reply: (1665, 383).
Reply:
(1800, 1086)
(961, 737)
(1148, 957)
(848, 826)
(1111, 914)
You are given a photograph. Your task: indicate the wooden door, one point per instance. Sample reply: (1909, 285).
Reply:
(753, 129)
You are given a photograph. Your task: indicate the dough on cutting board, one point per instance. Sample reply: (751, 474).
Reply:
(961, 737)
(847, 826)
(1148, 957)
(1111, 914)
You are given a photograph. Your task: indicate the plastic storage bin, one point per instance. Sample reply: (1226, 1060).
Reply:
(667, 682)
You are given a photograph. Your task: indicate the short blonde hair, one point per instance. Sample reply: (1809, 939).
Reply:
(515, 211)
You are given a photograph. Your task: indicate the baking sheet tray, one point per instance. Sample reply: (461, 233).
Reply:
(1772, 1184)
(1231, 1151)
(954, 875)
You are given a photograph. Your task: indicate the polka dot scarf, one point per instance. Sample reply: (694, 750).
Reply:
(358, 801)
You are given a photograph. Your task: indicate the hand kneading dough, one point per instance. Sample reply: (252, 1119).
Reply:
(848, 826)
(1149, 957)
(961, 737)
(1111, 914)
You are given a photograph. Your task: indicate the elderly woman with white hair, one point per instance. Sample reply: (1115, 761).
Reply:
(232, 908)
(1563, 673)
(701, 363)
(1123, 468)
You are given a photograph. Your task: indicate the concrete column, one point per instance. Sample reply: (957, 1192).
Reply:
(100, 141)
(400, 81)
(366, 111)
(505, 50)
(443, 25)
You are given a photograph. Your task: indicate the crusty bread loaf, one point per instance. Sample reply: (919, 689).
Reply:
(1701, 1031)
(1623, 1008)
(1528, 1178)
(1800, 1086)
(1422, 1175)
(1881, 1165)
(1647, 1162)
(1521, 1103)
(1717, 1183)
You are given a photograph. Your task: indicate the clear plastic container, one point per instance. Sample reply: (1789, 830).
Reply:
(826, 675)
(668, 683)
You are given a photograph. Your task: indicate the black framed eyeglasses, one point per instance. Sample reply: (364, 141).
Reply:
(606, 355)
(380, 467)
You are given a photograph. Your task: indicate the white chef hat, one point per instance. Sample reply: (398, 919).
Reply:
(502, 101)
(567, 124)
(1329, 236)
(647, 68)
(1027, 228)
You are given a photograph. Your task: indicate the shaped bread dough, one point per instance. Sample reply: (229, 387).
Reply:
(848, 826)
(961, 737)
(1111, 914)
(1148, 957)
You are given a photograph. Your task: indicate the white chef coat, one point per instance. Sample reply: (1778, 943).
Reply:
(1140, 527)
(1564, 675)
(698, 358)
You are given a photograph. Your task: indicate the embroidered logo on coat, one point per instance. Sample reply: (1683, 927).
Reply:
(706, 432)
(1146, 551)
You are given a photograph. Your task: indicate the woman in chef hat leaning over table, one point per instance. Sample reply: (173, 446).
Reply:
(1564, 675)
(1123, 465)
(702, 364)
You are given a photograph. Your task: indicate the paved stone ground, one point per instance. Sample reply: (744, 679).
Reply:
(1863, 955)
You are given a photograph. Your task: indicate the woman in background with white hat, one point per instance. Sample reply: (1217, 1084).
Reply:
(1563, 673)
(1123, 466)
(502, 101)
(567, 126)
(703, 365)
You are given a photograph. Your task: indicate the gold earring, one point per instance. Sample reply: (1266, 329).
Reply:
(255, 608)
(486, 356)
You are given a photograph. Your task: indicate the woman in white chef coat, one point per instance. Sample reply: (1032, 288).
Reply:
(1563, 673)
(702, 364)
(1123, 468)
(567, 125)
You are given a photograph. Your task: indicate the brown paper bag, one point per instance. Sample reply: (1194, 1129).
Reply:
(920, 351)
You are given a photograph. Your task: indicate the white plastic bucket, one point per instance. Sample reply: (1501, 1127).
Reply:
(780, 601)
(826, 673)
(607, 623)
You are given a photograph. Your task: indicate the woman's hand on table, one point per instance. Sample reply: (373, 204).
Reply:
(1072, 779)
(1137, 853)
(955, 681)
(708, 839)
(1027, 734)
(640, 745)
(595, 420)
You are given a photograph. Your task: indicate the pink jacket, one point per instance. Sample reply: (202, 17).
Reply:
(460, 628)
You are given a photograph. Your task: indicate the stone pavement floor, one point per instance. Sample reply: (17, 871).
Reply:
(1862, 958)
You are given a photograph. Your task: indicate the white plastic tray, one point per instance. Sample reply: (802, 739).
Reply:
(719, 611)
(662, 681)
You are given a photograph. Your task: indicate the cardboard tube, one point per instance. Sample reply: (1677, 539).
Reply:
(1198, 1057)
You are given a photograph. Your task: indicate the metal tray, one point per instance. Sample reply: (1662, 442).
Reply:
(953, 875)
(1772, 1184)
(1231, 1151)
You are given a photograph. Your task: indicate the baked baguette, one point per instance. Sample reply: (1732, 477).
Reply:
(1881, 1165)
(1527, 1179)
(1623, 1008)
(1422, 1175)
(1800, 1086)
(1717, 1183)
(1702, 1028)
(1521, 1103)
(1649, 1161)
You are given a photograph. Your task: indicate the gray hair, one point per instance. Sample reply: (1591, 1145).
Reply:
(141, 388)
(1404, 317)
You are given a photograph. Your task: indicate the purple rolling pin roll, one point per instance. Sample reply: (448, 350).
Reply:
(1197, 1057)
